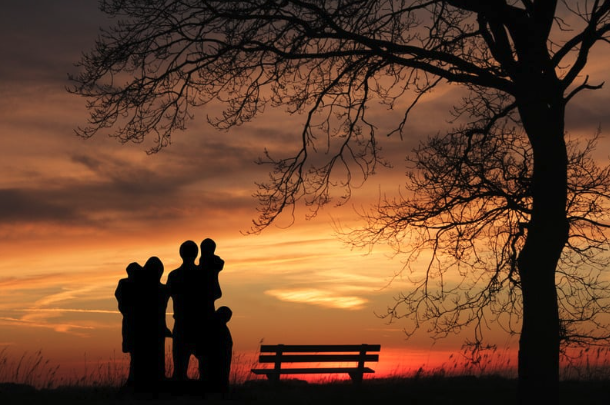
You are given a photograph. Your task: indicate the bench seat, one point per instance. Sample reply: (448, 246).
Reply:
(283, 354)
(320, 370)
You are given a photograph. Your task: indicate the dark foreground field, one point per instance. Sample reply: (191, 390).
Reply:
(428, 391)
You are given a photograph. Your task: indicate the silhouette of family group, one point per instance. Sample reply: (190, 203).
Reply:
(200, 330)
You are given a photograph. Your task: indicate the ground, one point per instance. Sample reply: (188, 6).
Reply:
(411, 391)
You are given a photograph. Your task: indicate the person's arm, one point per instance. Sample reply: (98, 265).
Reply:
(219, 263)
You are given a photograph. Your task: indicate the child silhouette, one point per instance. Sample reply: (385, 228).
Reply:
(222, 352)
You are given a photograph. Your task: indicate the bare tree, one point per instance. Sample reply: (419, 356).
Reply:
(467, 201)
(329, 60)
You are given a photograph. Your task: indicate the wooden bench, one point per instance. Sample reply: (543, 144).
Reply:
(282, 354)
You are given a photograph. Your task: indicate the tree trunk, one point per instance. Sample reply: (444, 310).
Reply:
(542, 114)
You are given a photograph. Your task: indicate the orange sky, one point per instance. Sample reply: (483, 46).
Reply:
(74, 213)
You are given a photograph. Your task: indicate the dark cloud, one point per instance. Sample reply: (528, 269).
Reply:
(154, 188)
(23, 205)
(588, 111)
(104, 204)
(124, 177)
(43, 39)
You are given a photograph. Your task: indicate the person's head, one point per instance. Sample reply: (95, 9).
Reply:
(189, 250)
(208, 247)
(224, 314)
(132, 269)
(154, 265)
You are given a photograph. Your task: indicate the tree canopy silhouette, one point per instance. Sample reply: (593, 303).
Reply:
(521, 62)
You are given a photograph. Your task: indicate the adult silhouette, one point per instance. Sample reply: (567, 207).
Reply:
(157, 295)
(142, 300)
(193, 307)
(210, 265)
(126, 296)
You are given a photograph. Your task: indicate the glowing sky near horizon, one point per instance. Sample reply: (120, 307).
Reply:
(74, 213)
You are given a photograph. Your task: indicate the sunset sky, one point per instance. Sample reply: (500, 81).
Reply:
(74, 212)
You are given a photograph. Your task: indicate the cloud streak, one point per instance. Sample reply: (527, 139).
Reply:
(35, 301)
(69, 328)
(70, 310)
(319, 297)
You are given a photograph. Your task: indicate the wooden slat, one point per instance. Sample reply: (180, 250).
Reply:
(280, 354)
(319, 348)
(324, 370)
(316, 358)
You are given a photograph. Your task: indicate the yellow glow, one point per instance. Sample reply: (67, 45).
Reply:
(322, 298)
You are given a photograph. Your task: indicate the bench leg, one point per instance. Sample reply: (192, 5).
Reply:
(356, 377)
(275, 378)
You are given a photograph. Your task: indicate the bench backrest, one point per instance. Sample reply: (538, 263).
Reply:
(311, 353)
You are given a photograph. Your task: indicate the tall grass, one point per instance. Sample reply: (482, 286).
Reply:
(101, 373)
(31, 368)
(28, 369)
(590, 363)
(486, 362)
(241, 365)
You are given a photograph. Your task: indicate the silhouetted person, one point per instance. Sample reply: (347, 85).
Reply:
(143, 301)
(154, 352)
(210, 265)
(222, 350)
(192, 309)
(126, 296)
